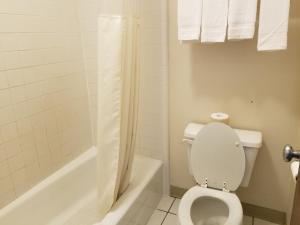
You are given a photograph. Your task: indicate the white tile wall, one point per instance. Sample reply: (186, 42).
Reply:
(44, 119)
(88, 12)
(42, 85)
(153, 126)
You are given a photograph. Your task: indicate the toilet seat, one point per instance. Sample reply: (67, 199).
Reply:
(218, 157)
(231, 200)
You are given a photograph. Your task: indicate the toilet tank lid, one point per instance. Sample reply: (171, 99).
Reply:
(249, 138)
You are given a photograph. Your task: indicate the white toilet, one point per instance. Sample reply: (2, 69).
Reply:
(221, 159)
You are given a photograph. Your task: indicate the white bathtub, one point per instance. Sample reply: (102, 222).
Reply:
(69, 196)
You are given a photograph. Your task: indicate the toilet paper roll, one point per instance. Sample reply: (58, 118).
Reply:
(220, 117)
(295, 168)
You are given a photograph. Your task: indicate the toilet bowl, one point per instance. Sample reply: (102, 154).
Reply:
(204, 206)
(219, 165)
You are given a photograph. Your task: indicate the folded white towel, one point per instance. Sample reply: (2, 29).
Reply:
(189, 19)
(273, 25)
(241, 19)
(214, 20)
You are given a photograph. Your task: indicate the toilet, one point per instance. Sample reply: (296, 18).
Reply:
(221, 159)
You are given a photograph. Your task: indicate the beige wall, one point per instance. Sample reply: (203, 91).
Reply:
(259, 90)
(44, 120)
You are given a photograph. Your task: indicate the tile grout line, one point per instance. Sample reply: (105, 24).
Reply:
(167, 212)
(162, 222)
(162, 210)
(171, 205)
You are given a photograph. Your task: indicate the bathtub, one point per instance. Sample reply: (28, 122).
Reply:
(69, 196)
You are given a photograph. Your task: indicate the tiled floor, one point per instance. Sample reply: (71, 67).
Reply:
(166, 214)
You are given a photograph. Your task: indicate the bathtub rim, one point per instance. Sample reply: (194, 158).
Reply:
(52, 178)
(132, 193)
(121, 206)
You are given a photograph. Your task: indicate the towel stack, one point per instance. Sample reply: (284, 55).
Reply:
(209, 21)
(273, 26)
(214, 20)
(241, 19)
(189, 19)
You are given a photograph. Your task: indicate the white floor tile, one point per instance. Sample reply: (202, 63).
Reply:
(262, 222)
(171, 220)
(174, 208)
(247, 220)
(165, 203)
(157, 218)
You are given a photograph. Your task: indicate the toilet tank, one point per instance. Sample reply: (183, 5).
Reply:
(251, 140)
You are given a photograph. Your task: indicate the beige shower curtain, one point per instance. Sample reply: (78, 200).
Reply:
(118, 98)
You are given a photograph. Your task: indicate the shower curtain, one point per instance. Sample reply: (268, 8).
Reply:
(118, 98)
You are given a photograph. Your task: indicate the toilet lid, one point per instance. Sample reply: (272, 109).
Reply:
(218, 156)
